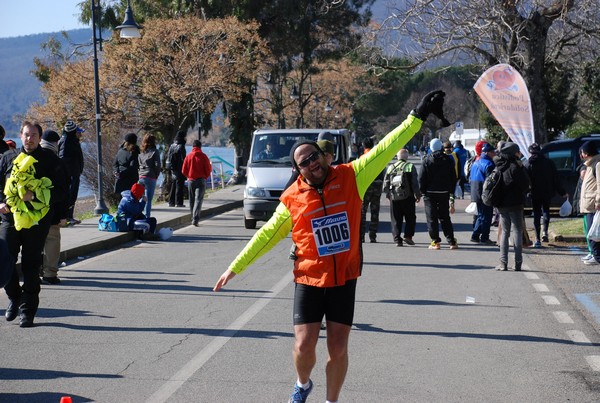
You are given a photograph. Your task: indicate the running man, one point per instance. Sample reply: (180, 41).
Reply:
(322, 209)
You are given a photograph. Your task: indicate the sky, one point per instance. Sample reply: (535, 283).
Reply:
(26, 17)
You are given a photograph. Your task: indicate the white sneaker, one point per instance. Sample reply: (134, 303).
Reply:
(590, 261)
(587, 257)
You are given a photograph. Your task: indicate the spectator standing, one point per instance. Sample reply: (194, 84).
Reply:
(515, 185)
(125, 166)
(149, 168)
(544, 182)
(589, 201)
(437, 181)
(371, 200)
(51, 258)
(25, 229)
(326, 270)
(463, 156)
(175, 157)
(196, 168)
(401, 188)
(3, 145)
(69, 150)
(481, 169)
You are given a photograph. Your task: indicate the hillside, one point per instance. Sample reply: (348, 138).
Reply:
(18, 86)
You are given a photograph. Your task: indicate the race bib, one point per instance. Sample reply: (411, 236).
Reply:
(332, 234)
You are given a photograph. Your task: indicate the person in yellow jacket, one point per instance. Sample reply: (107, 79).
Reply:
(32, 186)
(322, 209)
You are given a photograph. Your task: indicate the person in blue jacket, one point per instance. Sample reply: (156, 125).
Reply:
(132, 206)
(463, 156)
(480, 170)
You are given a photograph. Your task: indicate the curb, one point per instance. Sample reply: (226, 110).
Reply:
(568, 239)
(125, 237)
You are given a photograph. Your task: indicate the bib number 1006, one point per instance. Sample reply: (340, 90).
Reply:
(328, 235)
(331, 233)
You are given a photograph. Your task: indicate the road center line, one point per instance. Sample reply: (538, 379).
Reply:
(562, 317)
(594, 362)
(531, 276)
(578, 337)
(541, 287)
(185, 373)
(550, 300)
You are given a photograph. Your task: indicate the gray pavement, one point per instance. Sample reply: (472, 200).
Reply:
(142, 324)
(85, 238)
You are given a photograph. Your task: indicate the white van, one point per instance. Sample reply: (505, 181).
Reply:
(270, 168)
(469, 138)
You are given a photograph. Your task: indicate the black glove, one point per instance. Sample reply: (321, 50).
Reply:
(432, 103)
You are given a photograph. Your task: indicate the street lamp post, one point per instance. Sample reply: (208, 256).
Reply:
(129, 29)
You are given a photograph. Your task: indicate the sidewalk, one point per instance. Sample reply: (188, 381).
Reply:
(85, 238)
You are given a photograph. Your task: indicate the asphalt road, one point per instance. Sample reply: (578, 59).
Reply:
(142, 324)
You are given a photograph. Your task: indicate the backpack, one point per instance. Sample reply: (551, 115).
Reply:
(468, 166)
(399, 183)
(492, 188)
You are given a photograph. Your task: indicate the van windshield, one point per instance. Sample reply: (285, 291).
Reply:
(274, 148)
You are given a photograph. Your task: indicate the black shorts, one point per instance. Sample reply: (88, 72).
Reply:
(335, 303)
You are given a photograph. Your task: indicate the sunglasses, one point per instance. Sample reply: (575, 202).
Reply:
(313, 157)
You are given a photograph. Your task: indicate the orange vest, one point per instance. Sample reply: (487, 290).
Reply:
(325, 224)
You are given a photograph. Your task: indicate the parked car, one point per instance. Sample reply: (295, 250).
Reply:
(565, 155)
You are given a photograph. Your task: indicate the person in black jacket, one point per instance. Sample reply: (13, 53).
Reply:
(174, 163)
(126, 165)
(371, 200)
(69, 150)
(24, 300)
(437, 181)
(544, 182)
(51, 258)
(515, 185)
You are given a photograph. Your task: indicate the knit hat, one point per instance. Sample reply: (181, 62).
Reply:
(131, 138)
(70, 126)
(51, 136)
(478, 146)
(487, 147)
(137, 190)
(326, 146)
(510, 148)
(435, 145)
(325, 136)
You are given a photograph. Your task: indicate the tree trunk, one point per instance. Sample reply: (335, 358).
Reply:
(537, 33)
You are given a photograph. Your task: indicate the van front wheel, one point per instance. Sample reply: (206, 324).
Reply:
(249, 223)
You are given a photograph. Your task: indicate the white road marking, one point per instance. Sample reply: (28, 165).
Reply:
(531, 276)
(562, 317)
(178, 379)
(578, 337)
(541, 287)
(550, 300)
(594, 362)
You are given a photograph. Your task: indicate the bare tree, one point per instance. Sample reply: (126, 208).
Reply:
(531, 35)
